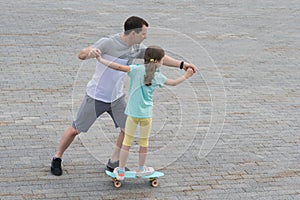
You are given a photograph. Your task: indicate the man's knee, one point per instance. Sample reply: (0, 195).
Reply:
(73, 131)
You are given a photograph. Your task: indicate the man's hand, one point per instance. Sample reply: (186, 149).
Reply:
(89, 52)
(188, 65)
(94, 53)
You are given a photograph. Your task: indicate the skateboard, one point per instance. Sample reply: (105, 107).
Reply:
(153, 178)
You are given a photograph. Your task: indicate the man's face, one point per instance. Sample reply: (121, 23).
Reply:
(139, 37)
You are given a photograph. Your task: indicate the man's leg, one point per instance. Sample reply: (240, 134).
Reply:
(116, 153)
(66, 139)
(86, 116)
(119, 118)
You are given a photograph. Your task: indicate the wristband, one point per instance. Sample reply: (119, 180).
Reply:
(181, 64)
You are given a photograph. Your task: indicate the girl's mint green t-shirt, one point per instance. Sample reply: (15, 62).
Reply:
(140, 96)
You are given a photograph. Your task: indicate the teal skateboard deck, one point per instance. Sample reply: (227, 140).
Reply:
(153, 178)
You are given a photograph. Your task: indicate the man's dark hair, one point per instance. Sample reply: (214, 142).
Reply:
(134, 23)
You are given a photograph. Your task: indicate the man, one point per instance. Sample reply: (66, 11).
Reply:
(104, 92)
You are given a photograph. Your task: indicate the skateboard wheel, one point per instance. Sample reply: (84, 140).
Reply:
(117, 184)
(154, 183)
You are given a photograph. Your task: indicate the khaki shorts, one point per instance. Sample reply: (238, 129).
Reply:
(91, 109)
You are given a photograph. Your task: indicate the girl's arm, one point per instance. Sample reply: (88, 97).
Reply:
(189, 72)
(113, 65)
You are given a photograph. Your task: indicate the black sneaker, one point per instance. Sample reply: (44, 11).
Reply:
(110, 166)
(56, 167)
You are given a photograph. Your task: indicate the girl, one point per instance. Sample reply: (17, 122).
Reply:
(143, 81)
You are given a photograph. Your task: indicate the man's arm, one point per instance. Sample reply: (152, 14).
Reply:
(89, 52)
(171, 62)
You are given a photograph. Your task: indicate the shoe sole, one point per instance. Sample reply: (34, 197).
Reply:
(53, 168)
(109, 169)
(56, 174)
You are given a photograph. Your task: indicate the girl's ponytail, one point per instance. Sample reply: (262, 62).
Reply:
(153, 54)
(150, 71)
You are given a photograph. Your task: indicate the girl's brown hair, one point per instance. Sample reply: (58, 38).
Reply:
(153, 55)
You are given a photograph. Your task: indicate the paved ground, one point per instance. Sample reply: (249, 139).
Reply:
(231, 132)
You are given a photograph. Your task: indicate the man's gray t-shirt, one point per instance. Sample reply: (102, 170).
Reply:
(107, 84)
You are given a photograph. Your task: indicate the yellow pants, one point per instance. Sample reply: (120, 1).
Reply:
(130, 127)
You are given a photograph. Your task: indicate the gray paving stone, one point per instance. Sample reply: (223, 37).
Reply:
(243, 103)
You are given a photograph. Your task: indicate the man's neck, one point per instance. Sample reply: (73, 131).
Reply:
(126, 39)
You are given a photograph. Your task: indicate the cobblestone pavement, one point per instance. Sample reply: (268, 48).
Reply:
(230, 132)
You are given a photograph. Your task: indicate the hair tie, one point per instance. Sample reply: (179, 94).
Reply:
(151, 60)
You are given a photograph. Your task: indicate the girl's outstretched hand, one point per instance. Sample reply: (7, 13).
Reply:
(99, 57)
(189, 72)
